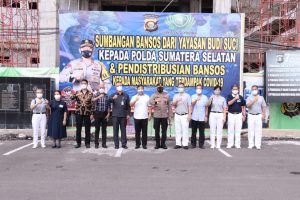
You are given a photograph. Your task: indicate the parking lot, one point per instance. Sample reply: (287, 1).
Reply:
(68, 173)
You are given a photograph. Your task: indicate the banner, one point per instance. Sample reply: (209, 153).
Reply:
(283, 76)
(150, 48)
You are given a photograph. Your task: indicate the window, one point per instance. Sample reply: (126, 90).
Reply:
(35, 60)
(32, 5)
(4, 59)
(207, 6)
(15, 4)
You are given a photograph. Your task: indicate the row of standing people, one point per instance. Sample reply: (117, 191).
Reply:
(188, 109)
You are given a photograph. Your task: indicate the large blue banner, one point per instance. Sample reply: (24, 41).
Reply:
(150, 48)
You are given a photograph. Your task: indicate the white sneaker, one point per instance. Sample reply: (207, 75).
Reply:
(258, 148)
(218, 147)
(43, 146)
(228, 147)
(212, 147)
(34, 146)
(250, 147)
(237, 147)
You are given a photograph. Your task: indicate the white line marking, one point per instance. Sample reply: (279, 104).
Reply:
(225, 153)
(118, 153)
(18, 149)
(222, 151)
(283, 142)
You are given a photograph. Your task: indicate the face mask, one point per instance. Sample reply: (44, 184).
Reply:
(86, 53)
(83, 86)
(119, 88)
(235, 92)
(217, 92)
(199, 91)
(101, 90)
(160, 89)
(39, 95)
(254, 92)
(140, 92)
(57, 97)
(180, 90)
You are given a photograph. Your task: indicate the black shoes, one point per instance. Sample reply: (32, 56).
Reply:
(54, 146)
(87, 146)
(163, 147)
(138, 146)
(104, 146)
(77, 146)
(124, 147)
(202, 147)
(96, 146)
(177, 147)
(193, 146)
(116, 147)
(186, 147)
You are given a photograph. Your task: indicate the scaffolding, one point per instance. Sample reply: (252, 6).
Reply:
(19, 33)
(269, 24)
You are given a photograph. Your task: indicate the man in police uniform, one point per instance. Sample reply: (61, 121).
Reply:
(86, 68)
(160, 102)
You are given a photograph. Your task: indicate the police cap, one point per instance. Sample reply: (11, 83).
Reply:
(85, 43)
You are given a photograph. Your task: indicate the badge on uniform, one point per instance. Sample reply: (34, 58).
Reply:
(61, 106)
(122, 103)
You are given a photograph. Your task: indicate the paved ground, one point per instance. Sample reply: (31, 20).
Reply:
(272, 173)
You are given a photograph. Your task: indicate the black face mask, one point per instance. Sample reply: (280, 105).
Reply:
(160, 89)
(86, 53)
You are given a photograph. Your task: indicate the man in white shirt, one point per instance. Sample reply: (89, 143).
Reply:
(256, 114)
(142, 112)
(183, 109)
(199, 116)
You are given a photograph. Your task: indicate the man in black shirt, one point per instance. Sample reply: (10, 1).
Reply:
(120, 114)
(236, 116)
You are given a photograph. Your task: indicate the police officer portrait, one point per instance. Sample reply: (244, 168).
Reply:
(86, 67)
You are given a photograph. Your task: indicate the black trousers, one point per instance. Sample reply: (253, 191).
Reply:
(163, 123)
(195, 126)
(87, 125)
(119, 122)
(100, 121)
(141, 125)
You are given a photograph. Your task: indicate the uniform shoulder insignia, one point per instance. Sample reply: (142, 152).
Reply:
(68, 66)
(104, 72)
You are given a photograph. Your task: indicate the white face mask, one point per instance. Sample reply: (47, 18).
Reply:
(217, 92)
(57, 97)
(199, 91)
(254, 92)
(140, 92)
(39, 95)
(101, 90)
(235, 92)
(181, 90)
(119, 88)
(83, 86)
